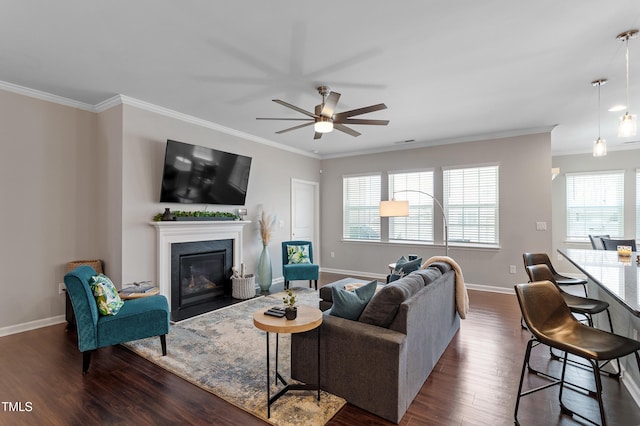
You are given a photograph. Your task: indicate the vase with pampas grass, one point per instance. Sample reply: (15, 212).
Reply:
(263, 274)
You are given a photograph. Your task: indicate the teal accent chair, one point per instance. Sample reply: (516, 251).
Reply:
(299, 271)
(137, 319)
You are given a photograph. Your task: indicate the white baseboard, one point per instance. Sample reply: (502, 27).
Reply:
(631, 386)
(45, 322)
(32, 325)
(355, 273)
(490, 288)
(381, 277)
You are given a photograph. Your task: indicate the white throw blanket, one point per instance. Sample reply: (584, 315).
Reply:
(462, 297)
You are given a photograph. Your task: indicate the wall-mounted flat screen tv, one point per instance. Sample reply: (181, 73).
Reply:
(198, 175)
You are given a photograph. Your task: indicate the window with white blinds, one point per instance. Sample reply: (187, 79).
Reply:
(471, 204)
(361, 207)
(418, 226)
(595, 204)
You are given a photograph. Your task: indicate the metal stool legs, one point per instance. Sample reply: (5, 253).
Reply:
(615, 375)
(554, 381)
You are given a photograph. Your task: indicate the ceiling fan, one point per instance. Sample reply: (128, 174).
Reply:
(324, 119)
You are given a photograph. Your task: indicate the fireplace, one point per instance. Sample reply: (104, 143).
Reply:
(172, 234)
(200, 277)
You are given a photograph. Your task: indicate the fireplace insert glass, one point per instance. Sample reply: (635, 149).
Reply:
(200, 277)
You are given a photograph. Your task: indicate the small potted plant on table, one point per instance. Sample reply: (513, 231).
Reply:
(290, 310)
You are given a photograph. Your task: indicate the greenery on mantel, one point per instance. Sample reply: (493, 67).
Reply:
(198, 215)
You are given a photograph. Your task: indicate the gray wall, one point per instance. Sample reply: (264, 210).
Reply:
(48, 187)
(106, 215)
(145, 135)
(628, 161)
(525, 198)
(83, 185)
(86, 186)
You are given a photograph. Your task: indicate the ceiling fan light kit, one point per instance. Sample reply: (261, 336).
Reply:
(628, 125)
(323, 125)
(324, 118)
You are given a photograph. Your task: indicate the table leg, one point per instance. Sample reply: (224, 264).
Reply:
(318, 382)
(277, 376)
(268, 381)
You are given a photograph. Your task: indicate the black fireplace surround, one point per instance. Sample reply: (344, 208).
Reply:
(200, 277)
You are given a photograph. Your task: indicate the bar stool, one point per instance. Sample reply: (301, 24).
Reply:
(538, 258)
(551, 323)
(578, 305)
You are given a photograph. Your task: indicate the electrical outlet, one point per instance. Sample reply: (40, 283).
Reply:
(635, 334)
(333, 254)
(61, 288)
(541, 226)
(512, 269)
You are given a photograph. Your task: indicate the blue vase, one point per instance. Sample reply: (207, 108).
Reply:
(263, 274)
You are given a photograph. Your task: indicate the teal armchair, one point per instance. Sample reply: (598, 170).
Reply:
(305, 270)
(137, 319)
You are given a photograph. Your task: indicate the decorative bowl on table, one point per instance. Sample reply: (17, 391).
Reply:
(624, 251)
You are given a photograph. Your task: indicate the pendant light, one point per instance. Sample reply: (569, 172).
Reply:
(600, 145)
(628, 125)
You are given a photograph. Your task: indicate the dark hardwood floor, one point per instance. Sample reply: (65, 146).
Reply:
(474, 383)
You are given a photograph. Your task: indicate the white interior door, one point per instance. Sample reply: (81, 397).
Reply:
(304, 213)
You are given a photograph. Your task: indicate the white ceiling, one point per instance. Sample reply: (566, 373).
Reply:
(448, 71)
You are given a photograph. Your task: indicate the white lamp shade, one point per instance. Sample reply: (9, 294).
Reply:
(394, 208)
(628, 126)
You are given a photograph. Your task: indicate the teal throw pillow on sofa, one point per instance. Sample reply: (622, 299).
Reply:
(350, 304)
(405, 268)
(298, 254)
(106, 295)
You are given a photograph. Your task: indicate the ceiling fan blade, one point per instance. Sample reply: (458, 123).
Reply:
(295, 108)
(358, 111)
(345, 129)
(330, 104)
(295, 127)
(363, 121)
(318, 135)
(288, 119)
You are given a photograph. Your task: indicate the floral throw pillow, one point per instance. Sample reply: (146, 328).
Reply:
(107, 299)
(298, 254)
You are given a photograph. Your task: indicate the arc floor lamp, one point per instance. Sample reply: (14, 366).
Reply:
(400, 208)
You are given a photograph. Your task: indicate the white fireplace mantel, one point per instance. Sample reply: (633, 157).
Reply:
(170, 232)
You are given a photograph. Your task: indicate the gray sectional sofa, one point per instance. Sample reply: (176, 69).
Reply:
(380, 362)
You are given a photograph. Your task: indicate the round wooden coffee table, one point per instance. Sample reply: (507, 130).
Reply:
(308, 318)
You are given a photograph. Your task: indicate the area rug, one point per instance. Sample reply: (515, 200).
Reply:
(225, 354)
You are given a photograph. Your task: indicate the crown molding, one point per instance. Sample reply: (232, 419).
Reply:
(126, 100)
(425, 144)
(156, 109)
(44, 96)
(108, 104)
